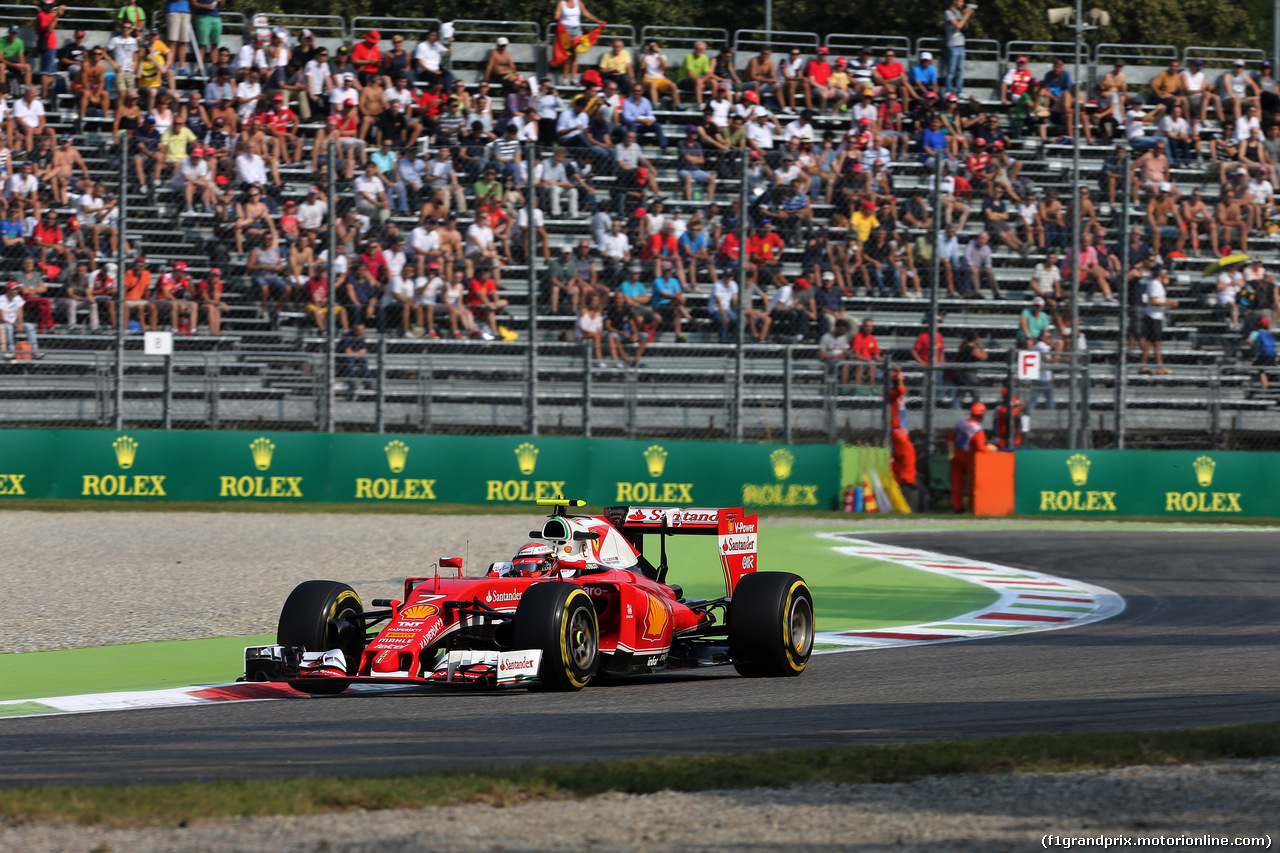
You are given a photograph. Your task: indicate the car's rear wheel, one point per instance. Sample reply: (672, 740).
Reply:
(558, 619)
(771, 625)
(319, 616)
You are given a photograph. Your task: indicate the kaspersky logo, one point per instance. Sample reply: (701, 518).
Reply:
(514, 491)
(125, 449)
(781, 464)
(262, 452)
(1204, 468)
(1077, 500)
(655, 461)
(395, 488)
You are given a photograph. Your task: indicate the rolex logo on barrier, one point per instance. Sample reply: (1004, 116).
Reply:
(126, 449)
(397, 453)
(655, 460)
(261, 448)
(123, 485)
(262, 451)
(781, 463)
(1204, 468)
(782, 460)
(527, 456)
(1078, 464)
(395, 488)
(1077, 500)
(524, 491)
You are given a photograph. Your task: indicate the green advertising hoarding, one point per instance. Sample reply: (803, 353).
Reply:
(275, 466)
(1147, 482)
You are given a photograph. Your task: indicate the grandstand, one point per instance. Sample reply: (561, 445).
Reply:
(269, 370)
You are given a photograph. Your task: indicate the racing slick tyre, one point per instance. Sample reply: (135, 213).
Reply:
(559, 619)
(771, 625)
(319, 616)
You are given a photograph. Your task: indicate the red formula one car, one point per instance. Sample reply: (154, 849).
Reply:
(582, 602)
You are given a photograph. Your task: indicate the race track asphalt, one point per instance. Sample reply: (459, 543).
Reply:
(1198, 644)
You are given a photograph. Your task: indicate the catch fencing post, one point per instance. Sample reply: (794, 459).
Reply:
(166, 416)
(586, 389)
(379, 404)
(1010, 383)
(531, 206)
(331, 373)
(121, 265)
(787, 418)
(740, 363)
(935, 272)
(1122, 349)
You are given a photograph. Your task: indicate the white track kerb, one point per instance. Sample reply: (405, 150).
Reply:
(1029, 601)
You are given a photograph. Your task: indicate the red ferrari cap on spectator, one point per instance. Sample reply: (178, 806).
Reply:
(278, 97)
(751, 96)
(952, 96)
(215, 272)
(639, 212)
(802, 284)
(79, 34)
(1021, 59)
(180, 266)
(869, 205)
(864, 121)
(434, 265)
(221, 180)
(840, 60)
(372, 35)
(290, 203)
(13, 285)
(979, 142)
(857, 167)
(197, 152)
(349, 102)
(999, 143)
(823, 49)
(1264, 323)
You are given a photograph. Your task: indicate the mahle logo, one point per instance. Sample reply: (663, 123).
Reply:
(519, 491)
(1077, 500)
(123, 485)
(527, 457)
(781, 463)
(1204, 468)
(395, 488)
(126, 449)
(1078, 464)
(655, 461)
(397, 454)
(261, 448)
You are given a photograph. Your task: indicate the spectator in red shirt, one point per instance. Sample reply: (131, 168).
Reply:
(367, 58)
(663, 246)
(865, 352)
(764, 253)
(817, 78)
(209, 296)
(374, 260)
(890, 76)
(483, 299)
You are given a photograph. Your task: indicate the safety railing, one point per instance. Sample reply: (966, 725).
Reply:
(975, 50)
(753, 40)
(1222, 57)
(849, 44)
(626, 32)
(1045, 51)
(686, 37)
(410, 28)
(1134, 54)
(475, 30)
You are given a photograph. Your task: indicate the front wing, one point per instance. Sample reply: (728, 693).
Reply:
(479, 668)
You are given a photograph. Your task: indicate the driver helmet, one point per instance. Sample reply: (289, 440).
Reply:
(533, 559)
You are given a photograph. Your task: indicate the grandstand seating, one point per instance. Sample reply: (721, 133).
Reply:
(272, 374)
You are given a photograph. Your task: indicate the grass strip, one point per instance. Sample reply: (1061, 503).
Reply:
(141, 805)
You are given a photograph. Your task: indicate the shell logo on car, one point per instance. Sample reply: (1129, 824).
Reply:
(419, 611)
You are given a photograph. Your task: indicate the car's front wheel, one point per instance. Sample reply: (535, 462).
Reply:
(559, 619)
(771, 625)
(320, 616)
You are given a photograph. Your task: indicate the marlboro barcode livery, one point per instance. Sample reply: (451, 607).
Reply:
(583, 599)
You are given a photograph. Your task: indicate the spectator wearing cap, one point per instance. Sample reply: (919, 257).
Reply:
(152, 68)
(500, 67)
(175, 292)
(208, 297)
(72, 55)
(45, 25)
(1238, 90)
(195, 175)
(923, 75)
(695, 72)
(366, 55)
(124, 57)
(318, 78)
(1269, 89)
(12, 57)
(817, 81)
(343, 90)
(1015, 82)
(691, 165)
(956, 24)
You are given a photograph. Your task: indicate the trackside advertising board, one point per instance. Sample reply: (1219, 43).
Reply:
(284, 466)
(1105, 483)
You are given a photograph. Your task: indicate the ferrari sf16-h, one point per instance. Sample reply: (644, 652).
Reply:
(583, 601)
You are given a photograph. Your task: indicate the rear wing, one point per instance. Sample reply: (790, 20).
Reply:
(735, 530)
